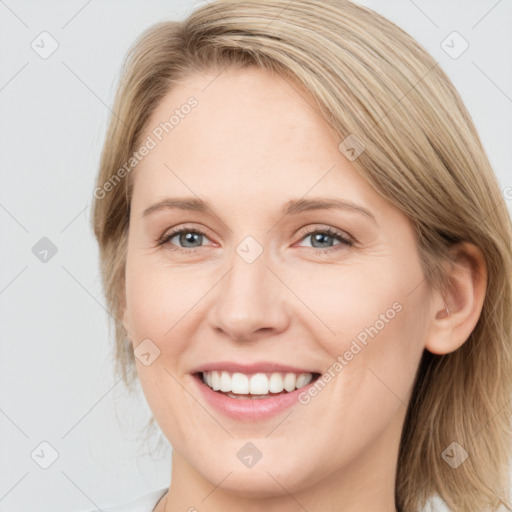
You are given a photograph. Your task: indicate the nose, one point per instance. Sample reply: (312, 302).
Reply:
(250, 302)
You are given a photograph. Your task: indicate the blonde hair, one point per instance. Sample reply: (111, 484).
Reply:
(422, 153)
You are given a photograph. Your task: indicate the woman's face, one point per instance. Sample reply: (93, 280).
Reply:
(263, 282)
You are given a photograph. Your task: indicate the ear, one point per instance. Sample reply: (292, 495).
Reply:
(457, 308)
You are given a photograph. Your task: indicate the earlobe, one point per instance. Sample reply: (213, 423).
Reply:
(457, 308)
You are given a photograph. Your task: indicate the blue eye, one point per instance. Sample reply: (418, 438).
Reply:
(190, 240)
(325, 237)
(185, 237)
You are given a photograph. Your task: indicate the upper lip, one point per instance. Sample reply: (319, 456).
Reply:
(250, 368)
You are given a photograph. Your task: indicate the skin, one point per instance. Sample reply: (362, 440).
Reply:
(253, 143)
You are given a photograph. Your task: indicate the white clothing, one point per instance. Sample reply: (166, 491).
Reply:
(144, 503)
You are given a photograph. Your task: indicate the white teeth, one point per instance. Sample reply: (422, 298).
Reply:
(215, 381)
(303, 379)
(289, 382)
(256, 384)
(225, 382)
(239, 384)
(275, 384)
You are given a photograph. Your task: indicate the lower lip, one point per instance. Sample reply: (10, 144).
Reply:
(248, 409)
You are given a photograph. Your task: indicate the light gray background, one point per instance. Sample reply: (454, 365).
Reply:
(56, 372)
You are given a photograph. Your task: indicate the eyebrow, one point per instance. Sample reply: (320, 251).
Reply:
(292, 207)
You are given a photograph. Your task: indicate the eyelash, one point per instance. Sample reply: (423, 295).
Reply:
(343, 239)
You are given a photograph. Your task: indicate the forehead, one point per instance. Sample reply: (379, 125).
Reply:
(251, 134)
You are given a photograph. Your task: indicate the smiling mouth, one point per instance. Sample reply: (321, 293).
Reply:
(255, 386)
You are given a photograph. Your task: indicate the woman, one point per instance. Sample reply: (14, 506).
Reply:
(309, 262)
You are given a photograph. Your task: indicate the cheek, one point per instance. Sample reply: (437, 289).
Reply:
(343, 302)
(374, 354)
(372, 325)
(160, 307)
(160, 302)
(380, 347)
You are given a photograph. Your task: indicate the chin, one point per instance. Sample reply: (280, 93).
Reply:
(270, 477)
